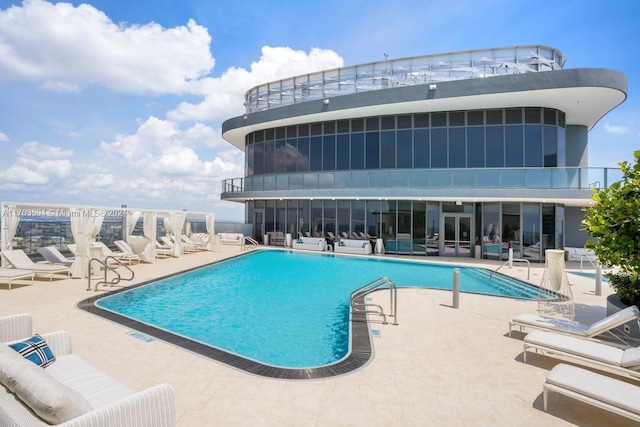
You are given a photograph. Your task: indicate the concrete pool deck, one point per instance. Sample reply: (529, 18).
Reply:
(439, 366)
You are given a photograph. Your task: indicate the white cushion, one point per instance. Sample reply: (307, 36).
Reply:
(631, 357)
(578, 346)
(51, 400)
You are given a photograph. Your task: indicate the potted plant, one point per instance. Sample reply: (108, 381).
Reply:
(614, 224)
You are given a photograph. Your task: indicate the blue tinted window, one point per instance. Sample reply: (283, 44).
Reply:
(249, 160)
(303, 154)
(329, 152)
(475, 147)
(280, 156)
(388, 150)
(533, 146)
(405, 149)
(457, 147)
(439, 148)
(315, 153)
(495, 147)
(268, 156)
(292, 155)
(372, 150)
(258, 158)
(342, 152)
(421, 148)
(550, 146)
(514, 146)
(357, 151)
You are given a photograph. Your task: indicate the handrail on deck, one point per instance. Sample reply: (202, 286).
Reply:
(379, 283)
(514, 260)
(106, 267)
(248, 239)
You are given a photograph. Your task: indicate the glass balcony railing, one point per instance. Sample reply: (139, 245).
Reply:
(484, 178)
(391, 73)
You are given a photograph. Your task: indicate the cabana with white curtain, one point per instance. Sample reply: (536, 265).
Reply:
(86, 222)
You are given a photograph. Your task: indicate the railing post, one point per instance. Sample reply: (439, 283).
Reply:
(456, 288)
(510, 258)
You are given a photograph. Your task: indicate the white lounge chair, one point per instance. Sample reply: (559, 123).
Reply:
(128, 257)
(12, 274)
(606, 325)
(53, 255)
(197, 246)
(594, 389)
(20, 261)
(620, 360)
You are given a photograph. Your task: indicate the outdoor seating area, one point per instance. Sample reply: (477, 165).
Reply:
(44, 382)
(351, 246)
(310, 243)
(579, 254)
(231, 238)
(19, 260)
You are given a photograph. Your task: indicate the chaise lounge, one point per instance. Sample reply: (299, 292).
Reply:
(69, 391)
(20, 261)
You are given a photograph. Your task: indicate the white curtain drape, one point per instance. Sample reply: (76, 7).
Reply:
(132, 220)
(85, 226)
(149, 227)
(10, 221)
(176, 220)
(167, 226)
(210, 224)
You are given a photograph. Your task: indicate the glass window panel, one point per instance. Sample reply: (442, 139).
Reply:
(421, 120)
(316, 218)
(531, 231)
(342, 180)
(561, 119)
(282, 182)
(329, 127)
(269, 134)
(358, 217)
(438, 148)
(441, 178)
(512, 178)
(303, 154)
(269, 183)
(360, 179)
(325, 180)
(280, 156)
(343, 126)
(475, 118)
(494, 117)
(433, 229)
(342, 152)
(404, 122)
(357, 125)
(488, 178)
(373, 217)
(372, 123)
(457, 148)
(475, 147)
(329, 218)
(398, 179)
(315, 155)
(495, 147)
(372, 150)
(421, 148)
(280, 133)
(329, 152)
(491, 246)
(562, 150)
(379, 179)
(295, 182)
(514, 146)
(419, 178)
(292, 131)
(533, 145)
(539, 178)
(259, 135)
(532, 115)
(514, 115)
(292, 155)
(550, 146)
(438, 119)
(258, 155)
(357, 151)
(405, 149)
(310, 181)
(388, 122)
(549, 116)
(388, 149)
(316, 129)
(268, 156)
(303, 130)
(456, 118)
(249, 160)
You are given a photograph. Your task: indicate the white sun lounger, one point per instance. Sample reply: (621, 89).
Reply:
(620, 360)
(594, 389)
(53, 255)
(20, 261)
(11, 274)
(606, 325)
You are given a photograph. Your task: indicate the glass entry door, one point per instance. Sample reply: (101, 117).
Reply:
(457, 235)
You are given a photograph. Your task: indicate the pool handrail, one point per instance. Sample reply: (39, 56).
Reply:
(379, 283)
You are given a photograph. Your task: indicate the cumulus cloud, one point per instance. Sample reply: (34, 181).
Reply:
(224, 96)
(616, 130)
(3, 137)
(37, 164)
(66, 47)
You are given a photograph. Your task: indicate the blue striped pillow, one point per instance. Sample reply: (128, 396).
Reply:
(36, 350)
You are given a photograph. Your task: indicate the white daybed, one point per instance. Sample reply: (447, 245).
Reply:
(598, 390)
(231, 238)
(350, 246)
(70, 391)
(11, 274)
(310, 243)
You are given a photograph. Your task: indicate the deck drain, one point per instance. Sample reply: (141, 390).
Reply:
(140, 336)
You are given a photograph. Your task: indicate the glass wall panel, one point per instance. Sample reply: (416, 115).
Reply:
(562, 148)
(303, 154)
(550, 147)
(559, 234)
(405, 150)
(292, 155)
(329, 152)
(329, 219)
(433, 229)
(372, 148)
(358, 223)
(316, 218)
(403, 236)
(548, 240)
(304, 215)
(315, 154)
(514, 146)
(269, 183)
(491, 243)
(295, 182)
(280, 157)
(357, 151)
(457, 148)
(343, 219)
(269, 216)
(421, 147)
(495, 147)
(531, 231)
(511, 229)
(389, 225)
(249, 159)
(475, 147)
(533, 146)
(439, 148)
(258, 156)
(388, 149)
(269, 152)
(292, 218)
(373, 218)
(342, 152)
(419, 228)
(281, 216)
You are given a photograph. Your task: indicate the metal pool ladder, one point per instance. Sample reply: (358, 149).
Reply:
(104, 265)
(358, 304)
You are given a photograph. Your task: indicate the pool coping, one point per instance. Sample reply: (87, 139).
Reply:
(359, 355)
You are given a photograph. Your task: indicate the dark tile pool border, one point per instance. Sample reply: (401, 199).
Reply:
(361, 351)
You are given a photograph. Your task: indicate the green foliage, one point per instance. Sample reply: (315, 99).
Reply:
(614, 224)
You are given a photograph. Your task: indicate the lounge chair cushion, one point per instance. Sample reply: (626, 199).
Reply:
(609, 322)
(599, 387)
(48, 398)
(631, 357)
(578, 346)
(36, 350)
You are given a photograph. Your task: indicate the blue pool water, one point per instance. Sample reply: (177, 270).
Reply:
(283, 308)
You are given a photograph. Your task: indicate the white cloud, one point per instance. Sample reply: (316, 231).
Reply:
(616, 130)
(37, 164)
(36, 150)
(66, 47)
(4, 137)
(224, 96)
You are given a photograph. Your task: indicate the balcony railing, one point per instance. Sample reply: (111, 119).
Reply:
(391, 73)
(483, 178)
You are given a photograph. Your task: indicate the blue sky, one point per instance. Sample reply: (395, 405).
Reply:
(120, 102)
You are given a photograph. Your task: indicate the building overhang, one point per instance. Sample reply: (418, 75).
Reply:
(585, 95)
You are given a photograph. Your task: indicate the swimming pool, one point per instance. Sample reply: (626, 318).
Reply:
(283, 309)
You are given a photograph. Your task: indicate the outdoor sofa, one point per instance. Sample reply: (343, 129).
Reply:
(68, 391)
(310, 243)
(231, 238)
(350, 246)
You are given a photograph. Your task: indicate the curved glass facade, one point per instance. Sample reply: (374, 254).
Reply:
(514, 137)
